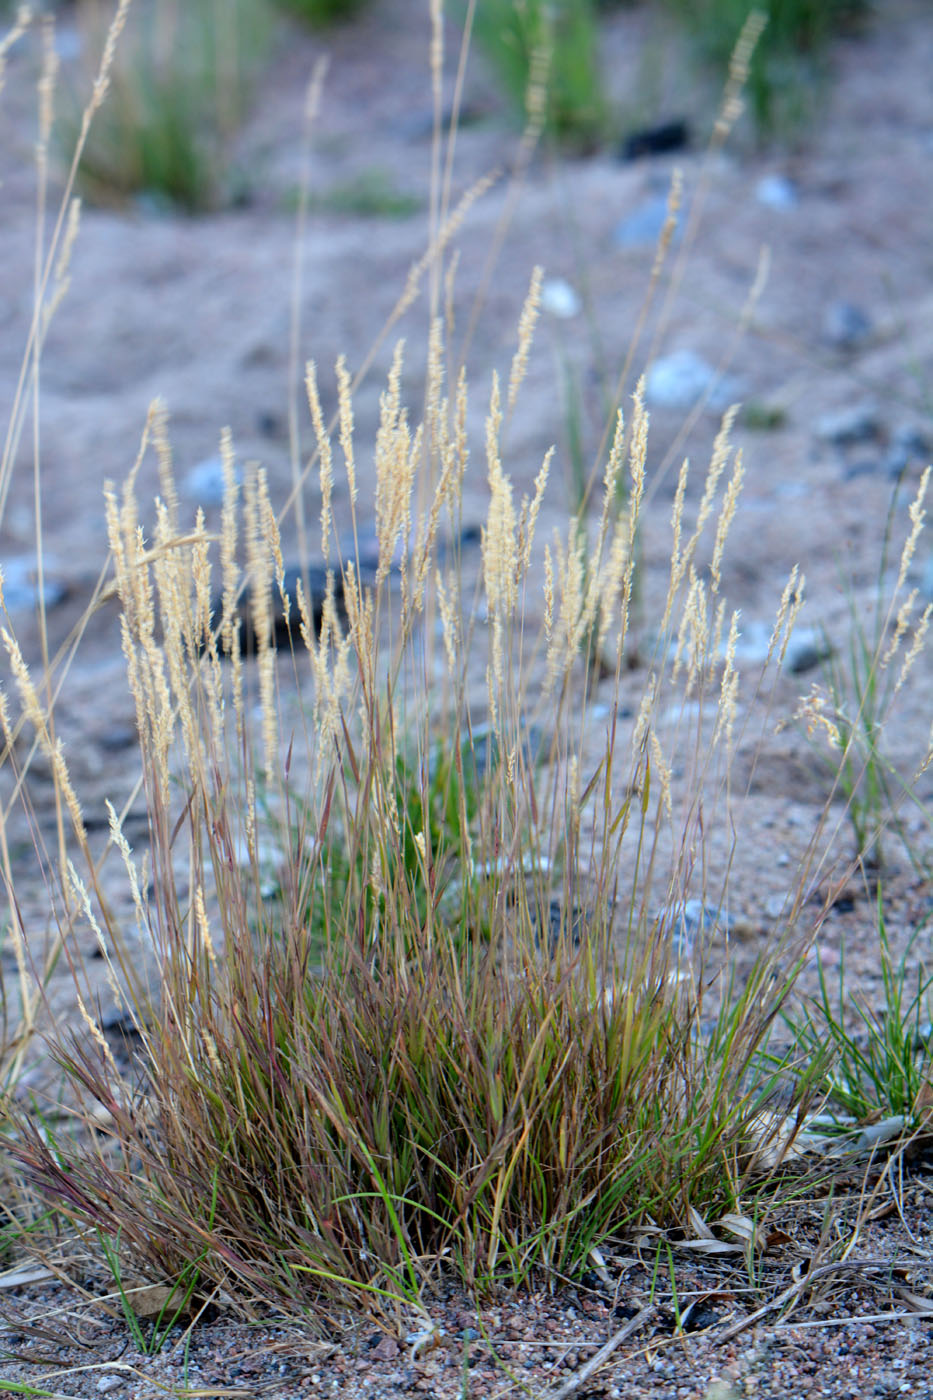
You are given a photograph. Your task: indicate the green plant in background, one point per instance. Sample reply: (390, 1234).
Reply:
(180, 87)
(372, 194)
(787, 62)
(320, 13)
(557, 40)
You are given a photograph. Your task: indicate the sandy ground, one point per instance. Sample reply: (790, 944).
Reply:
(199, 312)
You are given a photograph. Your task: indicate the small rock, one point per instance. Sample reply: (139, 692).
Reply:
(860, 423)
(480, 748)
(270, 424)
(846, 326)
(560, 299)
(721, 1390)
(909, 445)
(386, 1349)
(777, 192)
(108, 1383)
(643, 226)
(693, 919)
(204, 483)
(865, 466)
(678, 380)
(574, 924)
(656, 140)
(808, 648)
(790, 490)
(21, 584)
(287, 632)
(118, 737)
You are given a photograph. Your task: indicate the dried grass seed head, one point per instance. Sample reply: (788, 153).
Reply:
(526, 329)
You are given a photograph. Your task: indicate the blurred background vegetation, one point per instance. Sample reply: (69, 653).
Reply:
(187, 71)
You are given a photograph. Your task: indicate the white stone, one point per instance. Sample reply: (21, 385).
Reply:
(777, 192)
(560, 299)
(678, 380)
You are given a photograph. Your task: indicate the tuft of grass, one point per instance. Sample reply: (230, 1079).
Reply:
(546, 54)
(372, 194)
(763, 417)
(393, 1064)
(180, 85)
(789, 59)
(454, 1084)
(881, 1057)
(322, 13)
(849, 713)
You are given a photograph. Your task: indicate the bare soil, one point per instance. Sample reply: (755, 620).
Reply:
(199, 312)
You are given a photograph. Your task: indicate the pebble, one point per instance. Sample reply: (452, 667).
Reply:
(865, 466)
(859, 423)
(204, 483)
(847, 326)
(808, 647)
(559, 299)
(909, 444)
(642, 227)
(21, 586)
(118, 738)
(678, 380)
(692, 919)
(574, 924)
(482, 746)
(107, 1383)
(656, 140)
(777, 192)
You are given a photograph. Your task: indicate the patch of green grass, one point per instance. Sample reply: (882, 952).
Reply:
(548, 53)
(181, 83)
(321, 13)
(762, 417)
(789, 59)
(881, 1056)
(150, 1340)
(372, 194)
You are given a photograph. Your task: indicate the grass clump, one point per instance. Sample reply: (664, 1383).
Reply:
(412, 1069)
(547, 55)
(790, 57)
(393, 1064)
(321, 13)
(881, 1063)
(372, 194)
(180, 84)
